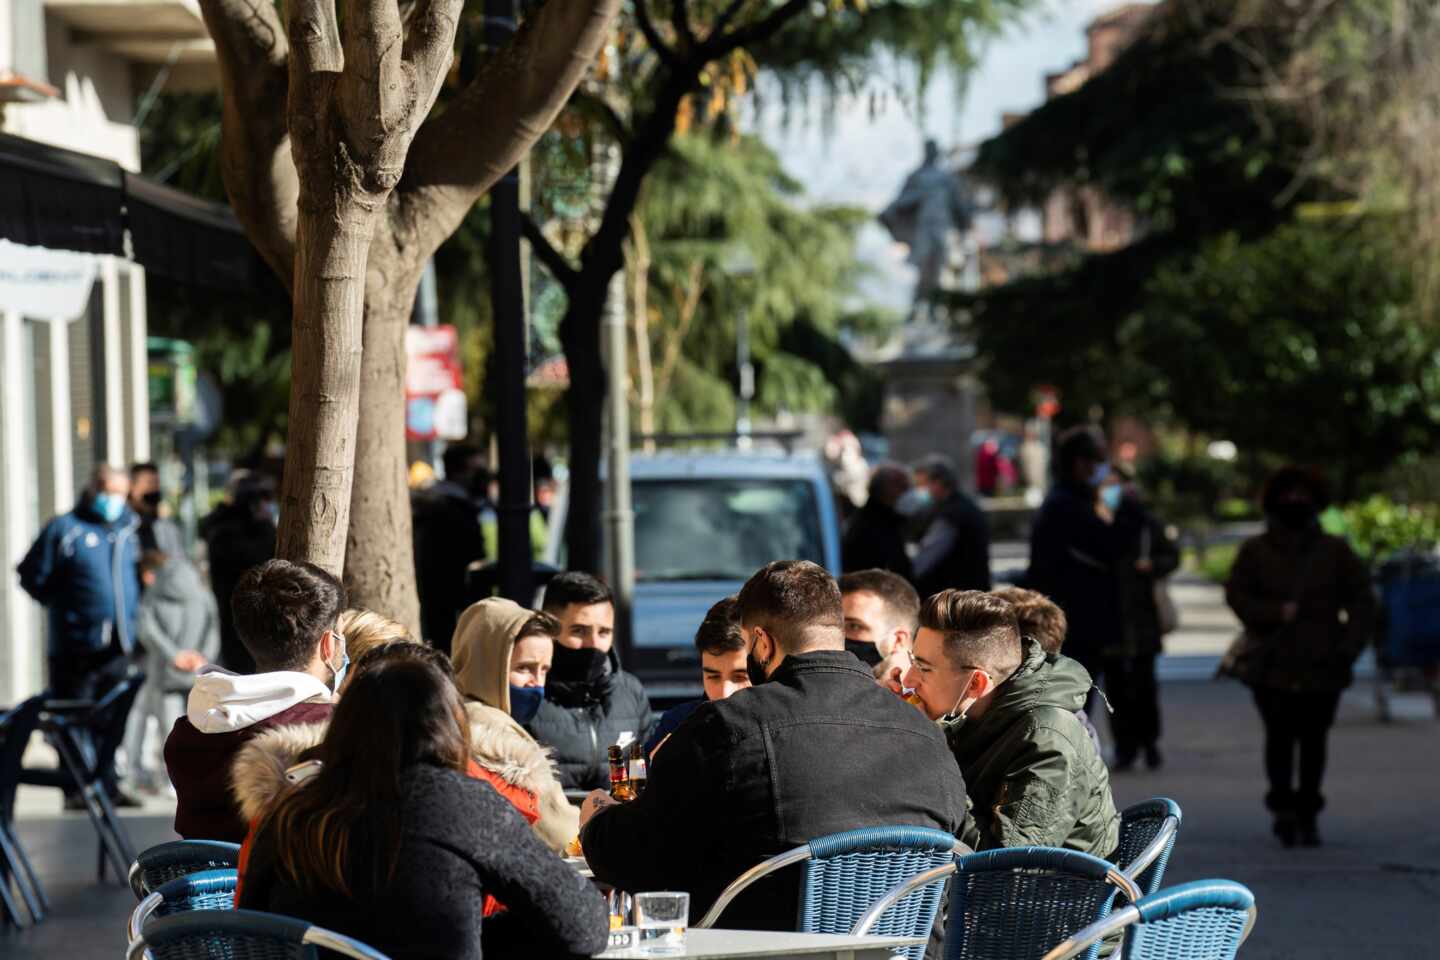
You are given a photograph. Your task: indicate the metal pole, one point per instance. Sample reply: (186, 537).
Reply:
(619, 516)
(516, 579)
(427, 314)
(747, 378)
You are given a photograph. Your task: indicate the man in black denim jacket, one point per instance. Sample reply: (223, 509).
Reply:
(816, 747)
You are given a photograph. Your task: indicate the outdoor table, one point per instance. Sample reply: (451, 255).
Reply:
(769, 945)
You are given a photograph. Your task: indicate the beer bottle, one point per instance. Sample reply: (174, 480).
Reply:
(639, 773)
(620, 786)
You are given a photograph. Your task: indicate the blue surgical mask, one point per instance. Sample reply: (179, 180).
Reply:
(109, 505)
(913, 501)
(1100, 474)
(1111, 496)
(525, 702)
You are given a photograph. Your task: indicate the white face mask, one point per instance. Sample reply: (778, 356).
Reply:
(961, 709)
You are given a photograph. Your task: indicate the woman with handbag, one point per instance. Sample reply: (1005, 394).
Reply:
(1144, 556)
(1308, 608)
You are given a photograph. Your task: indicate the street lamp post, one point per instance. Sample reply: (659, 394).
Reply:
(739, 263)
(516, 574)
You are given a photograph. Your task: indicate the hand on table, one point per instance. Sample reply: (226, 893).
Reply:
(594, 803)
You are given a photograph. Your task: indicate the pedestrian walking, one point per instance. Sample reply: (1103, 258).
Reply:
(954, 551)
(239, 534)
(1308, 610)
(875, 536)
(1073, 550)
(448, 538)
(84, 569)
(1145, 555)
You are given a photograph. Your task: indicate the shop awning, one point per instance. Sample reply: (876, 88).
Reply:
(64, 200)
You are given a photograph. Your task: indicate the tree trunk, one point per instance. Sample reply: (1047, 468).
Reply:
(585, 411)
(640, 298)
(332, 246)
(380, 556)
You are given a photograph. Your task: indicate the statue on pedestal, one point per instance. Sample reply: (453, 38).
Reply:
(931, 204)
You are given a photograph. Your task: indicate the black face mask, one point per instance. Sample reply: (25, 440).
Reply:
(756, 670)
(586, 665)
(868, 653)
(1295, 514)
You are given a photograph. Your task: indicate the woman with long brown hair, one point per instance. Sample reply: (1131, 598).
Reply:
(393, 844)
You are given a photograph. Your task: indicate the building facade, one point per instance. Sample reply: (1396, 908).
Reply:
(73, 362)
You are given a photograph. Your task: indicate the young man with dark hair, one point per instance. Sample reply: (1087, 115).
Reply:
(285, 615)
(1008, 710)
(880, 610)
(1037, 615)
(590, 703)
(875, 536)
(815, 747)
(955, 548)
(722, 651)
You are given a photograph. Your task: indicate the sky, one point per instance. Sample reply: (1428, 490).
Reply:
(862, 159)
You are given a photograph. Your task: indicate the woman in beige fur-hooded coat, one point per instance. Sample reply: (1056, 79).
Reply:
(482, 647)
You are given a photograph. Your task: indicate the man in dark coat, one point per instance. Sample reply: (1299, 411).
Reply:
(84, 568)
(1074, 550)
(955, 548)
(816, 747)
(448, 539)
(590, 703)
(239, 534)
(875, 536)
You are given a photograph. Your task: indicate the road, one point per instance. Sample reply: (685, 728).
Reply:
(1372, 891)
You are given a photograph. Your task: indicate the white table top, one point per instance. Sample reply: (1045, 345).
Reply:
(718, 944)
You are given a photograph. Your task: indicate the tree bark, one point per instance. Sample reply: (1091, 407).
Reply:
(380, 553)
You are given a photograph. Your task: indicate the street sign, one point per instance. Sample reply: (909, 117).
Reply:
(434, 392)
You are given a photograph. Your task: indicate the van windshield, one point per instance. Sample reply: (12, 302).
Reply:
(722, 528)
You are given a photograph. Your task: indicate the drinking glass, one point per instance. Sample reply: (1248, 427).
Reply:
(662, 919)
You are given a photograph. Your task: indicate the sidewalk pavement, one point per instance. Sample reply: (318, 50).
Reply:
(1372, 891)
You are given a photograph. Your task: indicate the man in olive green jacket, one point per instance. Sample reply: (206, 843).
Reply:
(1031, 771)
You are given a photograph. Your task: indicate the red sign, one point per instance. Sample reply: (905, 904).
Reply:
(434, 390)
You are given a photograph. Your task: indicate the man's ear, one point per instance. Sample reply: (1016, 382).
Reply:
(903, 640)
(327, 645)
(981, 683)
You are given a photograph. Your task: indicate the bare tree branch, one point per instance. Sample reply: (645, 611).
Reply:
(377, 90)
(652, 36)
(429, 48)
(560, 268)
(761, 30)
(255, 160)
(717, 29)
(680, 16)
(514, 99)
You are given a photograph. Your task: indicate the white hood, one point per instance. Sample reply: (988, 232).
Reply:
(221, 701)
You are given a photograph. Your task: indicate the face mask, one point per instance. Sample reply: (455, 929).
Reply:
(271, 512)
(1100, 474)
(525, 702)
(344, 668)
(1111, 497)
(913, 501)
(109, 505)
(586, 665)
(756, 667)
(1295, 514)
(868, 653)
(956, 717)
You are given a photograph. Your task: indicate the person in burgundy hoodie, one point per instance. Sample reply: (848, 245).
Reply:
(285, 615)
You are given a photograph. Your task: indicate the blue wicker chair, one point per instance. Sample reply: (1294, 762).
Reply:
(1147, 837)
(1017, 902)
(179, 858)
(844, 873)
(241, 935)
(206, 890)
(1203, 920)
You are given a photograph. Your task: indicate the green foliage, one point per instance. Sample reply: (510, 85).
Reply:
(1379, 527)
(707, 202)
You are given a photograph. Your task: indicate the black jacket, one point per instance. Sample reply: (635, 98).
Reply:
(460, 841)
(818, 749)
(955, 550)
(1073, 561)
(580, 720)
(1139, 535)
(236, 540)
(448, 539)
(875, 539)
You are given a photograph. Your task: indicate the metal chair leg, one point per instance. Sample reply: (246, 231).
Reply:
(97, 805)
(30, 874)
(8, 906)
(17, 867)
